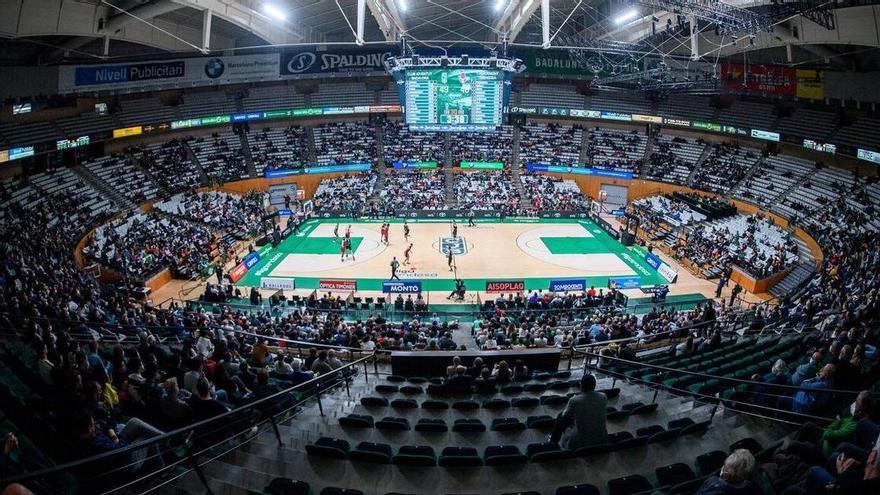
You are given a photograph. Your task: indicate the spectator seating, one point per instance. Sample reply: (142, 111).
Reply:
(862, 131)
(276, 147)
(482, 146)
(206, 103)
(775, 175)
(687, 106)
(725, 166)
(551, 193)
(551, 95)
(671, 210)
(616, 149)
(751, 242)
(401, 144)
(346, 94)
(674, 158)
(144, 110)
(486, 191)
(240, 216)
(281, 97)
(550, 144)
(21, 134)
(84, 125)
(348, 193)
(169, 163)
(120, 172)
(817, 124)
(152, 243)
(345, 142)
(220, 155)
(749, 115)
(413, 190)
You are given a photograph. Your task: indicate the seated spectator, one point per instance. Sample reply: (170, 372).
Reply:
(765, 395)
(298, 376)
(204, 405)
(807, 401)
(461, 382)
(174, 408)
(451, 369)
(849, 476)
(807, 369)
(582, 423)
(476, 370)
(502, 373)
(815, 444)
(734, 478)
(485, 384)
(321, 366)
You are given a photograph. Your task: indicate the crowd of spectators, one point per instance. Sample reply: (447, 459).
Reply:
(237, 215)
(753, 243)
(345, 142)
(726, 165)
(670, 210)
(550, 144)
(141, 245)
(616, 149)
(348, 193)
(169, 163)
(482, 146)
(220, 156)
(413, 190)
(552, 193)
(403, 145)
(275, 148)
(486, 191)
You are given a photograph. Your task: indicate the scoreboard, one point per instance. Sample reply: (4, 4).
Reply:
(454, 99)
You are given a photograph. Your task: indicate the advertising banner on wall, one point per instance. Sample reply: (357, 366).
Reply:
(198, 71)
(496, 286)
(277, 283)
(597, 64)
(336, 285)
(401, 286)
(568, 285)
(810, 84)
(765, 79)
(361, 60)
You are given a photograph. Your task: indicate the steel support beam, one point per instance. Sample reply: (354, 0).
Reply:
(206, 29)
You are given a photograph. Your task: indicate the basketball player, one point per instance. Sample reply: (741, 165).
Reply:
(336, 233)
(384, 233)
(405, 231)
(449, 259)
(342, 248)
(349, 251)
(454, 229)
(406, 254)
(471, 219)
(348, 232)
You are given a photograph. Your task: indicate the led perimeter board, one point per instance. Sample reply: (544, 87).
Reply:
(459, 99)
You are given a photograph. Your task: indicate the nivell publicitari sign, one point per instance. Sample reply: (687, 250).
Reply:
(197, 71)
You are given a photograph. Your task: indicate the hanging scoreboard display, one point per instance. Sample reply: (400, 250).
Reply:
(454, 99)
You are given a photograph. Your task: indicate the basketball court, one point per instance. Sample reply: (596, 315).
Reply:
(534, 251)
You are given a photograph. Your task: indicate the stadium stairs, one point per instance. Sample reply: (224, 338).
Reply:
(93, 180)
(246, 152)
(707, 150)
(800, 274)
(384, 415)
(583, 159)
(646, 159)
(748, 175)
(203, 176)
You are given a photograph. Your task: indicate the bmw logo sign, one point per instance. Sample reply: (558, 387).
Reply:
(214, 68)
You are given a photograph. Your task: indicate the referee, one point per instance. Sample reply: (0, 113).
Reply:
(449, 259)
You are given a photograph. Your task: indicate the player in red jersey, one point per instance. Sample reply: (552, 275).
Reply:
(406, 254)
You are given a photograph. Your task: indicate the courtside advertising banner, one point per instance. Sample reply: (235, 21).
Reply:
(278, 283)
(568, 285)
(667, 272)
(624, 283)
(250, 260)
(505, 286)
(401, 286)
(653, 260)
(237, 273)
(198, 71)
(338, 285)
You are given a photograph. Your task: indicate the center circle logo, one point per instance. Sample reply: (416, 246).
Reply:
(300, 62)
(214, 68)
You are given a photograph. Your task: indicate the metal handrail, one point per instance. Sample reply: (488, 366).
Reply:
(188, 429)
(714, 377)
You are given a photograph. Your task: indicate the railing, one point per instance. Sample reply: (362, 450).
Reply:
(748, 407)
(149, 465)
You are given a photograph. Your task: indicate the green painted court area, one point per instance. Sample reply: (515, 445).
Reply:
(600, 243)
(574, 245)
(323, 245)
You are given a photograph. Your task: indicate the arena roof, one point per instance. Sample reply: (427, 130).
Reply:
(39, 32)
